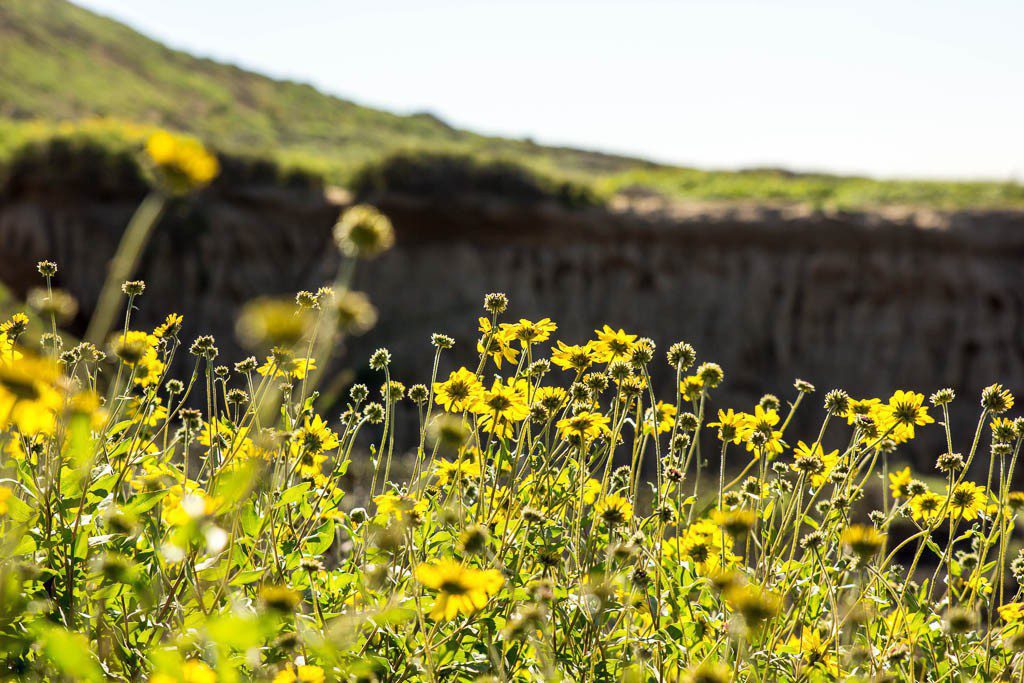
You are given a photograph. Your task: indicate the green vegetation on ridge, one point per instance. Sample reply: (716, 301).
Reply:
(60, 62)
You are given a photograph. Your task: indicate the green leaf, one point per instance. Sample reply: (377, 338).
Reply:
(322, 539)
(144, 501)
(69, 652)
(293, 494)
(236, 485)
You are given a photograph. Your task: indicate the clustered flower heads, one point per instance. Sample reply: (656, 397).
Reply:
(553, 519)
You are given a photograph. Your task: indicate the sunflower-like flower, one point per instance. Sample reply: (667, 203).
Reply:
(731, 425)
(503, 402)
(614, 510)
(574, 357)
(898, 482)
(527, 332)
(864, 541)
(461, 589)
(661, 418)
(583, 427)
(814, 462)
(926, 506)
(967, 501)
(903, 412)
(459, 392)
(496, 343)
(613, 344)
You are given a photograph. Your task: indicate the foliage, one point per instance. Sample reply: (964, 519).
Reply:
(553, 519)
(442, 175)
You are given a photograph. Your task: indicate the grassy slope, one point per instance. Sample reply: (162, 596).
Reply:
(58, 62)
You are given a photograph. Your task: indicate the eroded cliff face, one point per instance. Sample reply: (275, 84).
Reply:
(869, 302)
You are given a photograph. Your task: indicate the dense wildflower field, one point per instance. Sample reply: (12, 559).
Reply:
(557, 517)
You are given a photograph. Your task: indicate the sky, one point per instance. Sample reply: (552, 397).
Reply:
(889, 88)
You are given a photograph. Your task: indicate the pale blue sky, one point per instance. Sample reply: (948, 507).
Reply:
(884, 87)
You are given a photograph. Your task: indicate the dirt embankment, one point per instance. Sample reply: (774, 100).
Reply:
(866, 301)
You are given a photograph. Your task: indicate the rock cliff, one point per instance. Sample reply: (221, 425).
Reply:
(867, 301)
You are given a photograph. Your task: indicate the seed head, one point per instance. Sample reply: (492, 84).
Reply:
(374, 413)
(133, 287)
(643, 352)
(419, 394)
(358, 393)
(711, 374)
(495, 303)
(380, 359)
(265, 323)
(441, 341)
(355, 314)
(803, 386)
(47, 268)
(996, 399)
(56, 302)
(681, 356)
(942, 397)
(770, 402)
(363, 232)
(837, 402)
(474, 539)
(688, 422)
(950, 463)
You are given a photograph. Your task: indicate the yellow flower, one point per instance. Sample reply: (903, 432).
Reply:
(573, 357)
(7, 351)
(705, 543)
(183, 163)
(14, 325)
(502, 402)
(460, 589)
(184, 503)
(29, 398)
(551, 398)
(926, 506)
(304, 673)
(526, 332)
(315, 436)
(138, 350)
(905, 410)
(448, 472)
(967, 501)
(195, 671)
(613, 344)
(5, 495)
(863, 540)
(805, 453)
(662, 418)
(614, 510)
(860, 408)
(400, 507)
(498, 343)
(284, 366)
(730, 425)
(691, 387)
(1012, 612)
(814, 651)
(170, 325)
(459, 392)
(583, 427)
(898, 482)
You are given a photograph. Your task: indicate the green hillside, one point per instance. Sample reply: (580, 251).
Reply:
(60, 62)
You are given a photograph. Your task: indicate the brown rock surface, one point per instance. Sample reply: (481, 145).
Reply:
(867, 301)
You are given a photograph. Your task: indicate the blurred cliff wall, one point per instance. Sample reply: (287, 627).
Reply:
(866, 301)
